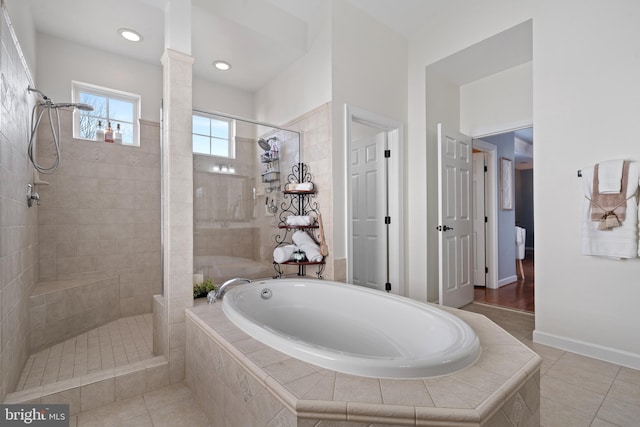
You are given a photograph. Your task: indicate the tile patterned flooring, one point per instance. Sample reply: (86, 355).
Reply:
(171, 406)
(575, 390)
(123, 341)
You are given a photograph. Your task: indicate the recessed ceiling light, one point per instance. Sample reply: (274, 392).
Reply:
(132, 36)
(222, 65)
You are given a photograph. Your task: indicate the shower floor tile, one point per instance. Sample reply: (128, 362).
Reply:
(123, 341)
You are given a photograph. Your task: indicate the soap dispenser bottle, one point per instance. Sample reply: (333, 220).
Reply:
(117, 135)
(108, 133)
(99, 131)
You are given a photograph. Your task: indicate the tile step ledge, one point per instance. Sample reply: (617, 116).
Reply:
(109, 385)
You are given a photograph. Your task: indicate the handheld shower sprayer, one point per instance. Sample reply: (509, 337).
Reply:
(78, 105)
(48, 105)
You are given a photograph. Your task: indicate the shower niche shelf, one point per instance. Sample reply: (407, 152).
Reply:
(298, 203)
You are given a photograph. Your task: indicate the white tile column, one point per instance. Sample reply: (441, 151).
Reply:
(177, 168)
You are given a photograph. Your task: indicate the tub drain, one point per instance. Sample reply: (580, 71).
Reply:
(266, 293)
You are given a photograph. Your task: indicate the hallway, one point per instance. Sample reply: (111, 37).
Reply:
(518, 295)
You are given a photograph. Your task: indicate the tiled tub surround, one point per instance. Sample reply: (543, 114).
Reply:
(240, 381)
(61, 309)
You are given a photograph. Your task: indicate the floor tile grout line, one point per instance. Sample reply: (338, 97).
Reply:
(607, 394)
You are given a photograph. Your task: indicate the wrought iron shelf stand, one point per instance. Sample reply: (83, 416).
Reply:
(298, 203)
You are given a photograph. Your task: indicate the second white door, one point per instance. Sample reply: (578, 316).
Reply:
(368, 183)
(454, 217)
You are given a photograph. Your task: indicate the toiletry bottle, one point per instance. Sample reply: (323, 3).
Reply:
(117, 135)
(108, 134)
(99, 131)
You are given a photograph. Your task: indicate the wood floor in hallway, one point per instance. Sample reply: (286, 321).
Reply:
(518, 295)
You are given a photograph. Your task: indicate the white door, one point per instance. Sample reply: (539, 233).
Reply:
(454, 217)
(479, 222)
(368, 183)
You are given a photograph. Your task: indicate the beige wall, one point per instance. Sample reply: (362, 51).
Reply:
(18, 223)
(101, 213)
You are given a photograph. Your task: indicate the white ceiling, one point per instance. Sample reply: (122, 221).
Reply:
(258, 37)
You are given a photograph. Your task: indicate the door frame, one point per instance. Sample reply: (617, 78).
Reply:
(480, 218)
(395, 141)
(491, 203)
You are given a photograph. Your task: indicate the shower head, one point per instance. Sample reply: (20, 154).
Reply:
(32, 89)
(264, 144)
(78, 105)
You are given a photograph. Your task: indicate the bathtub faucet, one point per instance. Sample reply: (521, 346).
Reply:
(213, 296)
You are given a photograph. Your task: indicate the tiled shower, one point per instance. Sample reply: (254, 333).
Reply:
(100, 213)
(98, 223)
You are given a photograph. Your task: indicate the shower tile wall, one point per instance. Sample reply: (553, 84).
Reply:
(101, 213)
(223, 209)
(18, 223)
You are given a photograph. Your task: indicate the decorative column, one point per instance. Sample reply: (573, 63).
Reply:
(177, 179)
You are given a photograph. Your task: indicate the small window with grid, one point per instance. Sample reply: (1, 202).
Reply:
(110, 106)
(213, 135)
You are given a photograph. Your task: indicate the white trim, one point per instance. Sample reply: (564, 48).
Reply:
(608, 354)
(395, 131)
(491, 202)
(507, 280)
(508, 129)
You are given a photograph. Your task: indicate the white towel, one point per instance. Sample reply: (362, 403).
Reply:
(308, 245)
(619, 242)
(610, 176)
(304, 186)
(312, 252)
(284, 253)
(302, 238)
(299, 220)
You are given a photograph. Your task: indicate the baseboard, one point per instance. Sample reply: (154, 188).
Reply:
(608, 354)
(507, 280)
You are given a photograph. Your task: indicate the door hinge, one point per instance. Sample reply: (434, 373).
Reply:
(387, 287)
(486, 270)
(387, 220)
(486, 169)
(387, 154)
(486, 219)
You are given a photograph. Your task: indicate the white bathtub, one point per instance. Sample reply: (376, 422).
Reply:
(352, 329)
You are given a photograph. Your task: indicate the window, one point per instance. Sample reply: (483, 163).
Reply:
(109, 106)
(213, 135)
